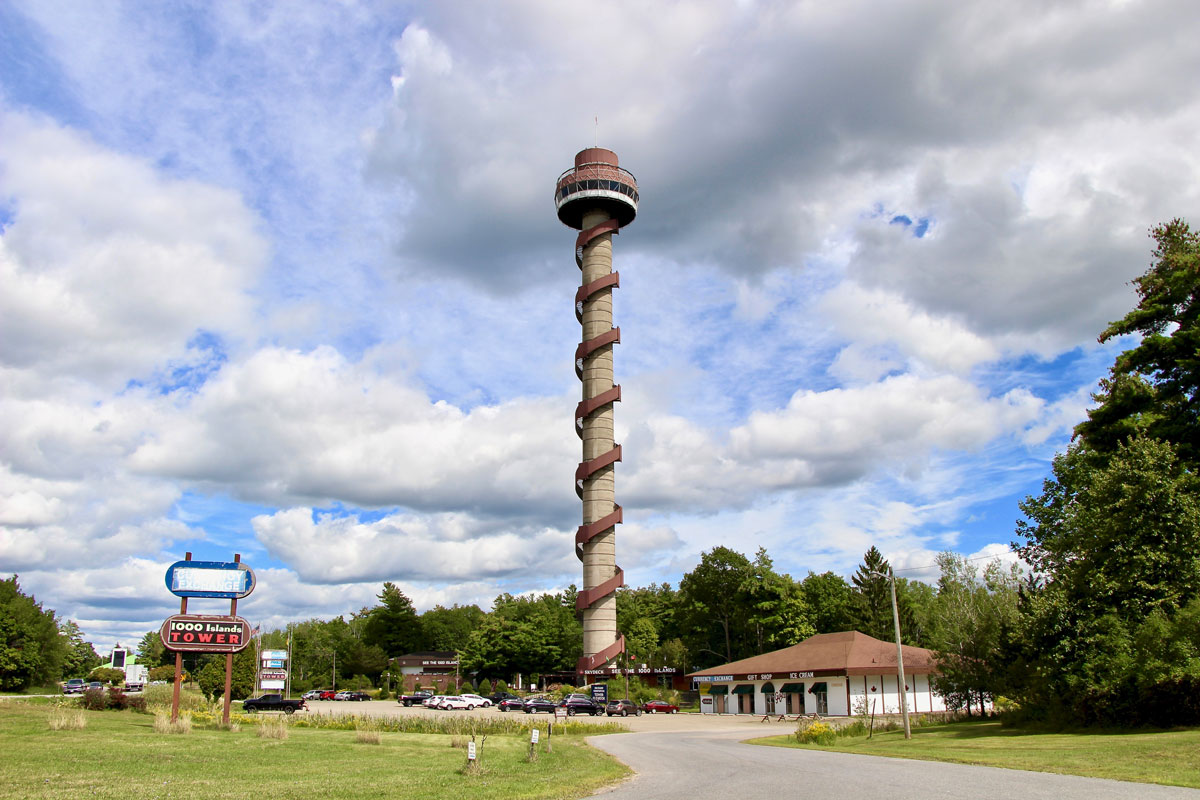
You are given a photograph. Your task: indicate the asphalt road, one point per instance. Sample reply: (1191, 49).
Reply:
(716, 765)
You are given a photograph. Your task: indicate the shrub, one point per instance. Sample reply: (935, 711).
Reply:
(500, 686)
(485, 687)
(94, 699)
(383, 693)
(118, 699)
(68, 720)
(810, 732)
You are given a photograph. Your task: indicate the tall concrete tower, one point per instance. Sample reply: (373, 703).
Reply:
(597, 198)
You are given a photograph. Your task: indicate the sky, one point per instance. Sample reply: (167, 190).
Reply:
(284, 279)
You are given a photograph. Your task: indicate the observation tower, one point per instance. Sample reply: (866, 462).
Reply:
(597, 198)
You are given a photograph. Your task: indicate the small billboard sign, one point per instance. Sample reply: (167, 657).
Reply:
(273, 663)
(600, 693)
(202, 633)
(226, 579)
(275, 655)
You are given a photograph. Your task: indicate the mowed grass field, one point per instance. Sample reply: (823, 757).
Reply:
(1167, 757)
(119, 755)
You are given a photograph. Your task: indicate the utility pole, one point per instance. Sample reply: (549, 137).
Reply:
(901, 684)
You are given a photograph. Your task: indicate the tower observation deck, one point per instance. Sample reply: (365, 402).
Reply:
(597, 198)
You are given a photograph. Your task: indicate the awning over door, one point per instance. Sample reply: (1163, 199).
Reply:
(743, 688)
(768, 688)
(818, 687)
(718, 690)
(792, 688)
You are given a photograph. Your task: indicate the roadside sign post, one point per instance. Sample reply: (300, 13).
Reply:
(237, 559)
(226, 634)
(179, 659)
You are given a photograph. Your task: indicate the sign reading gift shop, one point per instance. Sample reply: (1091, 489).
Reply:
(230, 580)
(202, 633)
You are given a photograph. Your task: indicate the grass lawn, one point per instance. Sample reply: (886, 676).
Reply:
(1166, 757)
(118, 755)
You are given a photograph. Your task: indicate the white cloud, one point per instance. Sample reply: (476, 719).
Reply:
(110, 269)
(442, 547)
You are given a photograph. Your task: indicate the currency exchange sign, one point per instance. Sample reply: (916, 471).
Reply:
(225, 579)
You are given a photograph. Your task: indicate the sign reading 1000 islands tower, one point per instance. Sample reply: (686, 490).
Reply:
(597, 198)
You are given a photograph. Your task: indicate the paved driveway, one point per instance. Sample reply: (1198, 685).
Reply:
(716, 765)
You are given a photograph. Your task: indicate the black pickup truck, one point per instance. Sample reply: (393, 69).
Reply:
(414, 699)
(273, 702)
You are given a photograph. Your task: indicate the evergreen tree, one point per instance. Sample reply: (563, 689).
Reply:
(873, 596)
(1154, 387)
(394, 626)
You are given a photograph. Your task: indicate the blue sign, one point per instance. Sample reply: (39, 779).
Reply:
(600, 693)
(225, 579)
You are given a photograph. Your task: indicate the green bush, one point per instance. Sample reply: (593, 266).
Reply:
(383, 693)
(501, 686)
(485, 687)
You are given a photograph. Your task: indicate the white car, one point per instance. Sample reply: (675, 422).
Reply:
(434, 701)
(476, 701)
(453, 702)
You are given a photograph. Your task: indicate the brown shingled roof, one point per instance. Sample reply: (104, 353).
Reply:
(850, 652)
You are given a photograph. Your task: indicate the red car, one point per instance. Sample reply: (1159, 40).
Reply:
(328, 694)
(660, 707)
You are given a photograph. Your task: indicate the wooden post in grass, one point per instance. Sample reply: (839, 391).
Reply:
(179, 659)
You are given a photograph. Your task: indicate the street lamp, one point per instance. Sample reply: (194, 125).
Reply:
(901, 685)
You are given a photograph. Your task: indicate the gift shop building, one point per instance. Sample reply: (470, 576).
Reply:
(832, 674)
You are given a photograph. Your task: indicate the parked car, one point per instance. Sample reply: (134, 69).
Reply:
(511, 704)
(94, 685)
(315, 694)
(622, 708)
(476, 701)
(328, 694)
(532, 705)
(414, 699)
(359, 696)
(453, 702)
(74, 686)
(660, 707)
(434, 701)
(578, 704)
(273, 702)
(499, 697)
